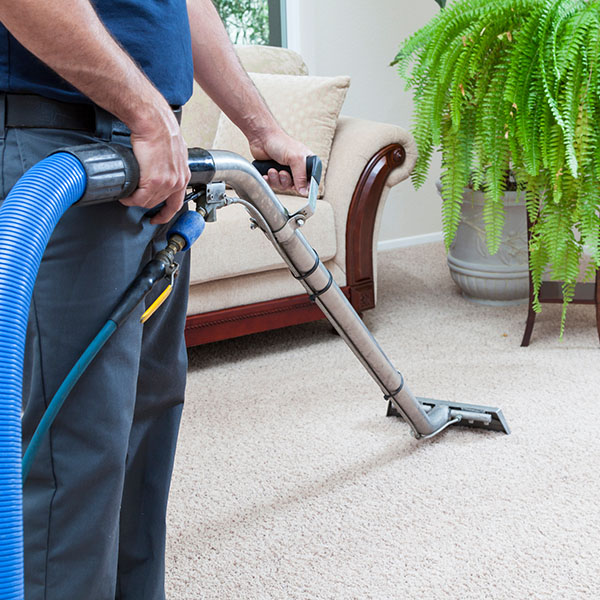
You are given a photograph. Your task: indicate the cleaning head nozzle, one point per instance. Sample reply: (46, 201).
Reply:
(462, 415)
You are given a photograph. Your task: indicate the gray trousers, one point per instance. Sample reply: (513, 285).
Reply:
(96, 497)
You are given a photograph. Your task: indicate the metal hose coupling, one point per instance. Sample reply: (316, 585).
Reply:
(186, 230)
(111, 169)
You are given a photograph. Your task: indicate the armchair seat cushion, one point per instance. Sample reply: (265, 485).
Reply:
(223, 294)
(229, 248)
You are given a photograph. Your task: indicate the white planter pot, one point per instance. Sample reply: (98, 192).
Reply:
(503, 278)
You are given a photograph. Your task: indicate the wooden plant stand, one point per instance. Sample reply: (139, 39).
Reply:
(551, 293)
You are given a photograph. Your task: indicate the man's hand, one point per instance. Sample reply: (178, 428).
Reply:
(279, 146)
(219, 72)
(163, 159)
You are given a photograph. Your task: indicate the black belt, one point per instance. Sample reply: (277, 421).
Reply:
(30, 110)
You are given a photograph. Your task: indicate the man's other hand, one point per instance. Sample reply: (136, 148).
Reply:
(279, 146)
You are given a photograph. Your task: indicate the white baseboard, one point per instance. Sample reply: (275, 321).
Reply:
(413, 240)
(426, 238)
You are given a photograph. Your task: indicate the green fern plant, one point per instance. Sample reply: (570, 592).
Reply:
(514, 85)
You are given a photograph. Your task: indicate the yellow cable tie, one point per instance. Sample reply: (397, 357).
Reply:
(157, 303)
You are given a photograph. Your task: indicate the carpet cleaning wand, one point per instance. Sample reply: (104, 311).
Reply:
(426, 417)
(108, 172)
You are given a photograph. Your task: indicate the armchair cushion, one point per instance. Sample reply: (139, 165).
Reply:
(306, 107)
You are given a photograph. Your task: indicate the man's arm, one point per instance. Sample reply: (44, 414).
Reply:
(70, 38)
(219, 72)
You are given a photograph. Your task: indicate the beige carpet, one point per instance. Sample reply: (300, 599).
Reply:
(291, 483)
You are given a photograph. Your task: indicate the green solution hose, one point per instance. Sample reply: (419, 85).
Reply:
(63, 391)
(187, 229)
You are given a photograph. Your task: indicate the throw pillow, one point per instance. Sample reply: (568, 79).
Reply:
(306, 107)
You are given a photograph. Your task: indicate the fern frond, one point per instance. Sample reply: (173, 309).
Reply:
(515, 84)
(456, 161)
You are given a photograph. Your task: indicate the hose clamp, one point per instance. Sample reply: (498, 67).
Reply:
(303, 276)
(394, 394)
(314, 296)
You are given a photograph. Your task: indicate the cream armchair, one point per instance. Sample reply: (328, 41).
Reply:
(239, 284)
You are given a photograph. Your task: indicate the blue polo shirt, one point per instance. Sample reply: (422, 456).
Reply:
(156, 33)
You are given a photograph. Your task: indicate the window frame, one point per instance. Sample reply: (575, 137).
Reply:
(277, 23)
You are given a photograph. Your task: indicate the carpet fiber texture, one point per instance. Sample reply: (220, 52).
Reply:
(290, 482)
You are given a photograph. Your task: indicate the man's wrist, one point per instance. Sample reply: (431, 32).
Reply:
(259, 130)
(149, 117)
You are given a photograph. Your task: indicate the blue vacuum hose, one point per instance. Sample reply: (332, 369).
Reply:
(88, 174)
(28, 216)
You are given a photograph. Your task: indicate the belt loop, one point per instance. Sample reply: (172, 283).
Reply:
(104, 124)
(178, 112)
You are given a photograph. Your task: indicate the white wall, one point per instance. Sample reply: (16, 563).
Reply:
(358, 38)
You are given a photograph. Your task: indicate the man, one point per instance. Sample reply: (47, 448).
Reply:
(72, 72)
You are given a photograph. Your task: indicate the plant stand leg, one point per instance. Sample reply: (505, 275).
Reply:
(531, 323)
(531, 313)
(530, 317)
